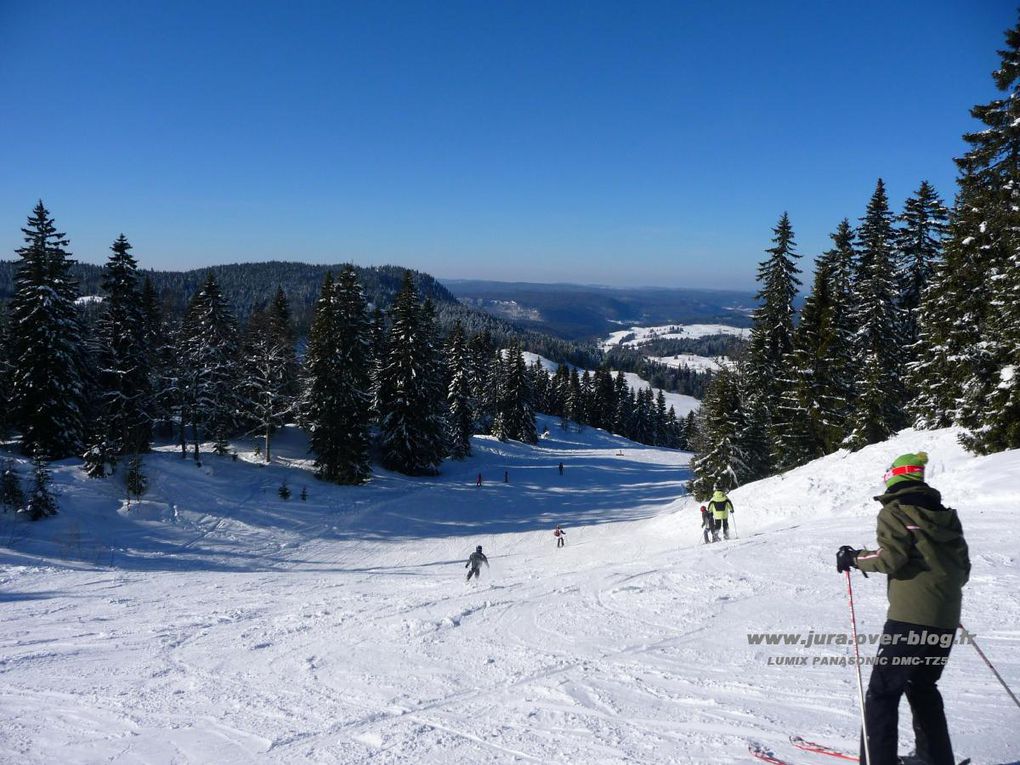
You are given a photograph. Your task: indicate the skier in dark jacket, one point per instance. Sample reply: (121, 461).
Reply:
(475, 562)
(924, 555)
(706, 523)
(561, 536)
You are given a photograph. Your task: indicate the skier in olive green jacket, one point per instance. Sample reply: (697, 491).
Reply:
(924, 555)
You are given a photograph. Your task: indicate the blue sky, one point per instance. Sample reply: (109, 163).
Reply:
(623, 143)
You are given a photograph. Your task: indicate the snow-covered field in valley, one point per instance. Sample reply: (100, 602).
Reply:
(217, 623)
(699, 363)
(635, 336)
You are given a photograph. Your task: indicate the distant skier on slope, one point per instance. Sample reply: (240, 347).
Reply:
(560, 535)
(475, 562)
(721, 507)
(923, 553)
(706, 523)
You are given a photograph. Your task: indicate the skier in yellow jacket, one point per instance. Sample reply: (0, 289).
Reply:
(720, 507)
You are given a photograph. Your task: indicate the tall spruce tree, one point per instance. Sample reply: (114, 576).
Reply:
(770, 343)
(818, 373)
(124, 368)
(268, 373)
(951, 320)
(923, 227)
(990, 192)
(719, 461)
(879, 405)
(460, 417)
(47, 392)
(515, 418)
(6, 373)
(209, 350)
(410, 399)
(338, 366)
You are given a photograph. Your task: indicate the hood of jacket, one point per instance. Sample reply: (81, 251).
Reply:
(923, 505)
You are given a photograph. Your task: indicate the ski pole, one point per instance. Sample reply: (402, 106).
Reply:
(733, 517)
(995, 672)
(860, 682)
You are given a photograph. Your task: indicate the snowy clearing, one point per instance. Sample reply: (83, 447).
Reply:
(215, 622)
(692, 361)
(670, 332)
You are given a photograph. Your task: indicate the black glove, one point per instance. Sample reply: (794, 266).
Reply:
(846, 558)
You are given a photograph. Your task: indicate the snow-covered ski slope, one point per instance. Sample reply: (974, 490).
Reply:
(217, 623)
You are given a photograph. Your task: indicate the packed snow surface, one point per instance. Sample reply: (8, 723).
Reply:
(217, 623)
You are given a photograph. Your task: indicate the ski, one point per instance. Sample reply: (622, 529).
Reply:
(816, 748)
(759, 752)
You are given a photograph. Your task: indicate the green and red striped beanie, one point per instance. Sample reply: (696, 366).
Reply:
(906, 467)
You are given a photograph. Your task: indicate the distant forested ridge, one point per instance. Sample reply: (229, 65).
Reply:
(249, 287)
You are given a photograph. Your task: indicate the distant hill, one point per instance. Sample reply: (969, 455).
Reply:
(248, 286)
(578, 312)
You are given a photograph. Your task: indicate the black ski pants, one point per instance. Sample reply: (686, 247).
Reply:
(910, 664)
(476, 572)
(724, 524)
(560, 542)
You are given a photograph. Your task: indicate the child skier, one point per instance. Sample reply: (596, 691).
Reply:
(923, 553)
(475, 562)
(560, 535)
(706, 523)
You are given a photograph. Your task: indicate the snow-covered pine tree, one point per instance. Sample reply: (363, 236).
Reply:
(47, 392)
(660, 420)
(123, 375)
(621, 397)
(460, 417)
(158, 340)
(515, 417)
(815, 395)
(559, 385)
(209, 350)
(602, 412)
(879, 406)
(690, 430)
(990, 187)
(135, 481)
(268, 375)
(583, 408)
(675, 437)
(338, 366)
(951, 321)
(281, 328)
(41, 502)
(770, 342)
(919, 251)
(12, 496)
(482, 357)
(409, 398)
(719, 462)
(539, 382)
(6, 373)
(573, 405)
(841, 360)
